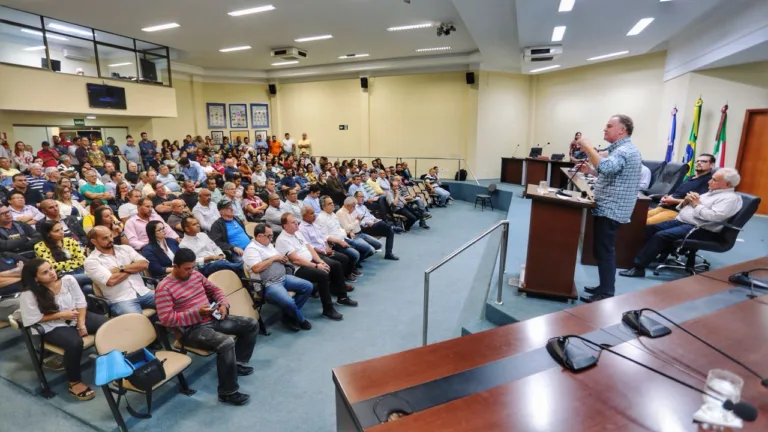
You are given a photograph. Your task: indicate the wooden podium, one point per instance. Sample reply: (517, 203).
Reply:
(553, 241)
(512, 170)
(536, 170)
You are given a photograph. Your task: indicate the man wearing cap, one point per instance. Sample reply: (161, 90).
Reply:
(229, 232)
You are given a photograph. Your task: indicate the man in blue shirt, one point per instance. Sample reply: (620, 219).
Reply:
(229, 233)
(193, 171)
(147, 149)
(288, 182)
(312, 199)
(131, 151)
(618, 184)
(260, 143)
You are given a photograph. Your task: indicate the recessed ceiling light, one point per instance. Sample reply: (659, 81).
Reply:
(70, 30)
(411, 27)
(39, 33)
(545, 68)
(616, 54)
(161, 27)
(120, 64)
(34, 48)
(251, 10)
(566, 5)
(558, 33)
(313, 38)
(664, 0)
(285, 63)
(433, 49)
(349, 56)
(640, 26)
(240, 48)
(91, 117)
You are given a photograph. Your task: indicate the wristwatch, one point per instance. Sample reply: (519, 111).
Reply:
(122, 268)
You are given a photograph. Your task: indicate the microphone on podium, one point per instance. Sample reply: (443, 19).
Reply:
(558, 348)
(515, 152)
(653, 329)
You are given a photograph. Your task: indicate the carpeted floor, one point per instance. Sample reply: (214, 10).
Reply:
(292, 388)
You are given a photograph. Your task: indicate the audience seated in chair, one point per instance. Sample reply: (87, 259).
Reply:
(432, 182)
(15, 236)
(183, 304)
(717, 205)
(268, 266)
(129, 208)
(326, 273)
(231, 194)
(103, 217)
(205, 211)
(116, 269)
(400, 206)
(210, 257)
(699, 183)
(136, 226)
(21, 211)
(253, 206)
(10, 283)
(292, 204)
(347, 256)
(329, 225)
(229, 232)
(355, 218)
(72, 227)
(159, 251)
(377, 203)
(274, 213)
(162, 200)
(178, 211)
(188, 194)
(59, 307)
(64, 254)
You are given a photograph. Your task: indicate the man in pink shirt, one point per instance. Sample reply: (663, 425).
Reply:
(136, 226)
(183, 302)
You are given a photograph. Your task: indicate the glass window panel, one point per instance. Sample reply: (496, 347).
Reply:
(114, 39)
(75, 56)
(117, 63)
(19, 47)
(68, 28)
(152, 48)
(153, 69)
(19, 17)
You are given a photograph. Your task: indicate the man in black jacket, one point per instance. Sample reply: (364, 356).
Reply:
(72, 226)
(229, 232)
(16, 237)
(10, 283)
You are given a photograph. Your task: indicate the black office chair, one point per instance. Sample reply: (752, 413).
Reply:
(687, 248)
(486, 198)
(669, 179)
(656, 167)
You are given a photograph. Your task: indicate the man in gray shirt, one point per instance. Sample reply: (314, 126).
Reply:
(131, 151)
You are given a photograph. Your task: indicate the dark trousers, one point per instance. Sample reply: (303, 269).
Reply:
(68, 339)
(410, 217)
(380, 207)
(214, 336)
(661, 238)
(382, 229)
(342, 258)
(327, 283)
(604, 241)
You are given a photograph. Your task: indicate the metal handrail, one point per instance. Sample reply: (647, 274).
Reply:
(503, 258)
(416, 158)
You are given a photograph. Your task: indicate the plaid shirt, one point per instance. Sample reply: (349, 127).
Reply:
(618, 181)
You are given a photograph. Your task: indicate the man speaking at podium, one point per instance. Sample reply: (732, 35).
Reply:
(618, 182)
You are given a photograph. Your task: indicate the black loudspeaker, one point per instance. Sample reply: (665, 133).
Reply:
(364, 82)
(470, 78)
(272, 89)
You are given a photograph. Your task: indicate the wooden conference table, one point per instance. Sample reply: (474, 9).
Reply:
(522, 171)
(525, 390)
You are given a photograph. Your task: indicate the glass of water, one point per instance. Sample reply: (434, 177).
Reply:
(726, 386)
(543, 188)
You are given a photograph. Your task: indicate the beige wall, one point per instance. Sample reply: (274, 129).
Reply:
(186, 122)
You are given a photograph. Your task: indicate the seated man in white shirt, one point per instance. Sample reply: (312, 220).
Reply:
(356, 218)
(267, 265)
(328, 224)
(258, 177)
(645, 178)
(205, 210)
(717, 205)
(321, 243)
(117, 271)
(168, 179)
(292, 203)
(210, 257)
(130, 208)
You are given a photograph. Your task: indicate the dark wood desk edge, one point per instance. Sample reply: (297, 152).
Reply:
(723, 273)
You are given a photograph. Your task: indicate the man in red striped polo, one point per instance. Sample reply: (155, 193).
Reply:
(183, 302)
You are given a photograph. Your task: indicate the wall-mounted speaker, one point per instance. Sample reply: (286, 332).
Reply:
(470, 78)
(272, 89)
(364, 82)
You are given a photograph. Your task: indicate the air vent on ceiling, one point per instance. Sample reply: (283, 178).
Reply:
(73, 55)
(542, 53)
(291, 53)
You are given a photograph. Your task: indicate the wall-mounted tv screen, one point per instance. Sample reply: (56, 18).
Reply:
(104, 96)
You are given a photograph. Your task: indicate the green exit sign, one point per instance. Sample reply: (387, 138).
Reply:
(79, 122)
(343, 127)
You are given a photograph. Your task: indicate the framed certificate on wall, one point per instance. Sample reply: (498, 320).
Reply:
(259, 116)
(217, 115)
(217, 137)
(238, 116)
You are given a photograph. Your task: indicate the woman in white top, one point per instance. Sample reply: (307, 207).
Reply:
(59, 307)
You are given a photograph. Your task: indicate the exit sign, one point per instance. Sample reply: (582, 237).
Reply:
(79, 122)
(343, 127)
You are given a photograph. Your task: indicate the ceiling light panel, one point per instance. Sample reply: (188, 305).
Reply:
(601, 57)
(285, 63)
(251, 10)
(545, 68)
(72, 30)
(433, 49)
(349, 56)
(39, 33)
(566, 5)
(239, 48)
(411, 27)
(558, 33)
(120, 64)
(91, 117)
(314, 38)
(640, 26)
(34, 48)
(161, 27)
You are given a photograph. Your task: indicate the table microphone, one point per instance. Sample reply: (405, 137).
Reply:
(650, 328)
(742, 410)
(515, 152)
(744, 279)
(576, 168)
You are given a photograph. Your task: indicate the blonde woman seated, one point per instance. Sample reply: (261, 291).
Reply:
(59, 306)
(68, 205)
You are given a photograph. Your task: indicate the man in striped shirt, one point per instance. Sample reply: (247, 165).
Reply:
(183, 302)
